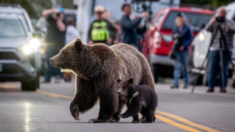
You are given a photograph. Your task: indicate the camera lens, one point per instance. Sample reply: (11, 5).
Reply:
(220, 19)
(58, 14)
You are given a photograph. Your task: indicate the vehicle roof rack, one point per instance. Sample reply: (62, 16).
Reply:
(10, 5)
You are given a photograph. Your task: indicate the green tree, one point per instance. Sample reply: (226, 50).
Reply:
(35, 7)
(208, 3)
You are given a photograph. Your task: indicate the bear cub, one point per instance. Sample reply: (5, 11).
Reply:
(139, 99)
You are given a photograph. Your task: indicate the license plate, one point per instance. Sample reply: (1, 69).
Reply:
(1, 68)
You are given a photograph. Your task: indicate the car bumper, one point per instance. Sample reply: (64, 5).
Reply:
(161, 59)
(13, 70)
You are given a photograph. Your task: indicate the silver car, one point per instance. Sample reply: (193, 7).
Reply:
(20, 57)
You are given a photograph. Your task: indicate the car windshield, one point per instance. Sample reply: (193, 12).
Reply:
(11, 28)
(195, 20)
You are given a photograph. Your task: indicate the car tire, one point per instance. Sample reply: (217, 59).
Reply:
(29, 85)
(38, 80)
(154, 70)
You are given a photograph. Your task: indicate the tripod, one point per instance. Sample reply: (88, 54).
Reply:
(222, 46)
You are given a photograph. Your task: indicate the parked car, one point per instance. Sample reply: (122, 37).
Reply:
(156, 49)
(20, 57)
(201, 45)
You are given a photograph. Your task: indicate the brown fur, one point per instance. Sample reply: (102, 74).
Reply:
(97, 68)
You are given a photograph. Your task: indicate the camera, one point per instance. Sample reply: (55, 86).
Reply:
(57, 14)
(220, 19)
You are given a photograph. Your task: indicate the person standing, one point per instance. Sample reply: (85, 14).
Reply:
(113, 31)
(55, 39)
(99, 30)
(71, 31)
(129, 27)
(182, 34)
(228, 28)
(70, 35)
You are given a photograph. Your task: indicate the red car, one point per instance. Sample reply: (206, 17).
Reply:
(156, 49)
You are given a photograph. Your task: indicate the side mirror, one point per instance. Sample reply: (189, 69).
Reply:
(37, 34)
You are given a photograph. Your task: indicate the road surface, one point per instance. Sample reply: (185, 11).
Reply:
(47, 110)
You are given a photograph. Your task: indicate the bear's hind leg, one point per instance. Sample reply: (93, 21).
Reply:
(150, 115)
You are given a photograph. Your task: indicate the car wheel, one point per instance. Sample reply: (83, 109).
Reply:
(29, 85)
(38, 80)
(155, 72)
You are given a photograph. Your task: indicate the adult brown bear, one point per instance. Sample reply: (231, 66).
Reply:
(97, 69)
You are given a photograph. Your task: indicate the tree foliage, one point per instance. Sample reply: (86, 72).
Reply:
(208, 3)
(35, 7)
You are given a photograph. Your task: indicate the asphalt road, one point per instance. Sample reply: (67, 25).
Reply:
(47, 110)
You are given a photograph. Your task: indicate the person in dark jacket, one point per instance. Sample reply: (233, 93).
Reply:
(55, 40)
(183, 35)
(129, 27)
(101, 30)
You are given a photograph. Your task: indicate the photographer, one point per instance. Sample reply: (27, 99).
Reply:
(130, 28)
(228, 29)
(182, 35)
(55, 40)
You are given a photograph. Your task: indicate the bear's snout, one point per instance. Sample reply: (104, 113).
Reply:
(52, 62)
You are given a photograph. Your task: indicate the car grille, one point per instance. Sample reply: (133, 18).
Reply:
(8, 56)
(11, 69)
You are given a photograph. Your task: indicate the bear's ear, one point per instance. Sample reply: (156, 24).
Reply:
(131, 80)
(78, 44)
(119, 80)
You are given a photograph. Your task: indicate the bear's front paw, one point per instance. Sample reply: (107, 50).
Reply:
(74, 111)
(123, 116)
(147, 121)
(96, 121)
(135, 121)
(117, 119)
(142, 119)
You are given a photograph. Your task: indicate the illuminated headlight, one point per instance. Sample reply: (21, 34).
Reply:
(31, 47)
(27, 49)
(35, 43)
(201, 36)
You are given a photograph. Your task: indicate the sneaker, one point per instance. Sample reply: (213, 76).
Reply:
(210, 90)
(174, 86)
(185, 87)
(223, 91)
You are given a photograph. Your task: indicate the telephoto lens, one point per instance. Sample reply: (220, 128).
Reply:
(220, 19)
(58, 14)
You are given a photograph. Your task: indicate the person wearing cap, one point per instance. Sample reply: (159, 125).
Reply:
(55, 40)
(182, 35)
(130, 28)
(101, 30)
